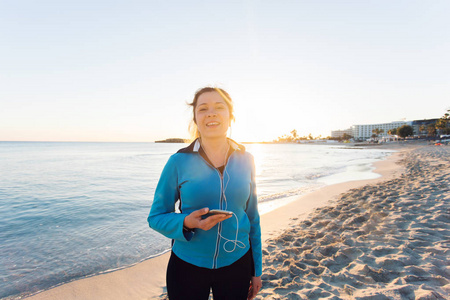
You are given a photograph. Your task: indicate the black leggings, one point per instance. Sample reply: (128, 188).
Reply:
(188, 282)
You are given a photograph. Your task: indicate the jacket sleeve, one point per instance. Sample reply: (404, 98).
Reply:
(163, 217)
(255, 229)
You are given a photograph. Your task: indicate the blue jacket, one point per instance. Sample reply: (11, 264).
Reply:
(190, 178)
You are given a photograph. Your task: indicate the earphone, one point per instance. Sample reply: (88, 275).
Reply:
(236, 242)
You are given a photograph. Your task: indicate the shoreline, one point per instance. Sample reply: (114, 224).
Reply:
(279, 219)
(147, 278)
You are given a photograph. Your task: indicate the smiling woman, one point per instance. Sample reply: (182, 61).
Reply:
(219, 252)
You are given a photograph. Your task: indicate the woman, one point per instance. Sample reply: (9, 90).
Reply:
(221, 252)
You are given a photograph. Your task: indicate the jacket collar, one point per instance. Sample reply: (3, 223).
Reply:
(195, 146)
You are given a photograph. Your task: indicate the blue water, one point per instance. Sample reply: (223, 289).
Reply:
(70, 210)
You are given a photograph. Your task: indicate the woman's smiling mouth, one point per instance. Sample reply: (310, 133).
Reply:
(212, 124)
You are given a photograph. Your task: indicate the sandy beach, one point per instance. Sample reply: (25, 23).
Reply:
(385, 238)
(382, 241)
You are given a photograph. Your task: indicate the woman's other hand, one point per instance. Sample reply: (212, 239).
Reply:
(255, 286)
(194, 219)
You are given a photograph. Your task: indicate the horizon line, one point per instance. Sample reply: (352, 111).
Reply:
(107, 141)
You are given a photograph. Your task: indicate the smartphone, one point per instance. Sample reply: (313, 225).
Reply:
(219, 211)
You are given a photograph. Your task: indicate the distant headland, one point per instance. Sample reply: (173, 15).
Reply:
(173, 140)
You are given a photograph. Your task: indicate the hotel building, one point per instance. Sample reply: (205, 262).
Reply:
(340, 133)
(418, 123)
(363, 132)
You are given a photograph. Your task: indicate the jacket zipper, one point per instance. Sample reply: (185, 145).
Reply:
(219, 229)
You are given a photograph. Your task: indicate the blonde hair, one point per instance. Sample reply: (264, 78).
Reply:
(193, 129)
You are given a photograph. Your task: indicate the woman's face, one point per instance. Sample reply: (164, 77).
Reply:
(212, 115)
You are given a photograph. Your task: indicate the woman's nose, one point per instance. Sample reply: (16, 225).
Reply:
(212, 113)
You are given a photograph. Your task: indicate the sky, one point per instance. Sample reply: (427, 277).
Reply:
(97, 70)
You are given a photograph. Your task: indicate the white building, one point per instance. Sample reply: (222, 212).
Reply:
(363, 132)
(340, 133)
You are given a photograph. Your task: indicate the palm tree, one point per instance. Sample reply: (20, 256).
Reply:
(422, 128)
(294, 134)
(392, 131)
(376, 132)
(442, 123)
(431, 130)
(346, 136)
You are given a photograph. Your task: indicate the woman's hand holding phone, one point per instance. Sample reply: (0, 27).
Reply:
(195, 220)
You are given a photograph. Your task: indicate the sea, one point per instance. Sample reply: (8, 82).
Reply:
(70, 210)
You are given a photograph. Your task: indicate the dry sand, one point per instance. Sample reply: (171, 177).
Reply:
(386, 240)
(383, 241)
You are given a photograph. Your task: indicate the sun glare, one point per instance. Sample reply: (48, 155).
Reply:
(259, 155)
